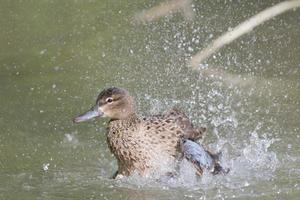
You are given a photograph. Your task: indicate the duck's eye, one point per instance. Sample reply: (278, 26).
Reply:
(109, 100)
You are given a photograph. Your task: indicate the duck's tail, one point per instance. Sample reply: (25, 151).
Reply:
(218, 169)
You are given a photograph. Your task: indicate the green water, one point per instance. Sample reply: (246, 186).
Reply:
(55, 56)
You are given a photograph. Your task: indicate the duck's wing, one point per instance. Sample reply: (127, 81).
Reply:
(188, 129)
(201, 158)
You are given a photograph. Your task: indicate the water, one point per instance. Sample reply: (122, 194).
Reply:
(56, 56)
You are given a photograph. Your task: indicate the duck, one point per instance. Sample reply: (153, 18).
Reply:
(151, 145)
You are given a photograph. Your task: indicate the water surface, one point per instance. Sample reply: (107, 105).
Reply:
(55, 56)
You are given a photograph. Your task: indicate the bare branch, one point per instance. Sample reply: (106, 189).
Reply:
(241, 29)
(164, 9)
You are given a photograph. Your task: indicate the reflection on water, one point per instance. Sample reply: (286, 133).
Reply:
(55, 57)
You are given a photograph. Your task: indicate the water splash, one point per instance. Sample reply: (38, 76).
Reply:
(257, 155)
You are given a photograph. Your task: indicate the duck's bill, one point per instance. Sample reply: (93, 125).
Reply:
(94, 112)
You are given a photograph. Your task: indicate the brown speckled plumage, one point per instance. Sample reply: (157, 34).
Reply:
(135, 141)
(142, 144)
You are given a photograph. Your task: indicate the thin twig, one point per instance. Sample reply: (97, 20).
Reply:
(164, 9)
(241, 29)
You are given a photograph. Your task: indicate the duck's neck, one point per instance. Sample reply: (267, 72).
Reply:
(117, 125)
(132, 118)
(126, 117)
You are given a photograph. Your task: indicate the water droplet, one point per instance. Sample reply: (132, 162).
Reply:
(42, 52)
(46, 167)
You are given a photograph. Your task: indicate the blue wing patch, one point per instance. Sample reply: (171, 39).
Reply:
(201, 158)
(196, 154)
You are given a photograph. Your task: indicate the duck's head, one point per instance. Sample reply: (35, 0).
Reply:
(114, 103)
